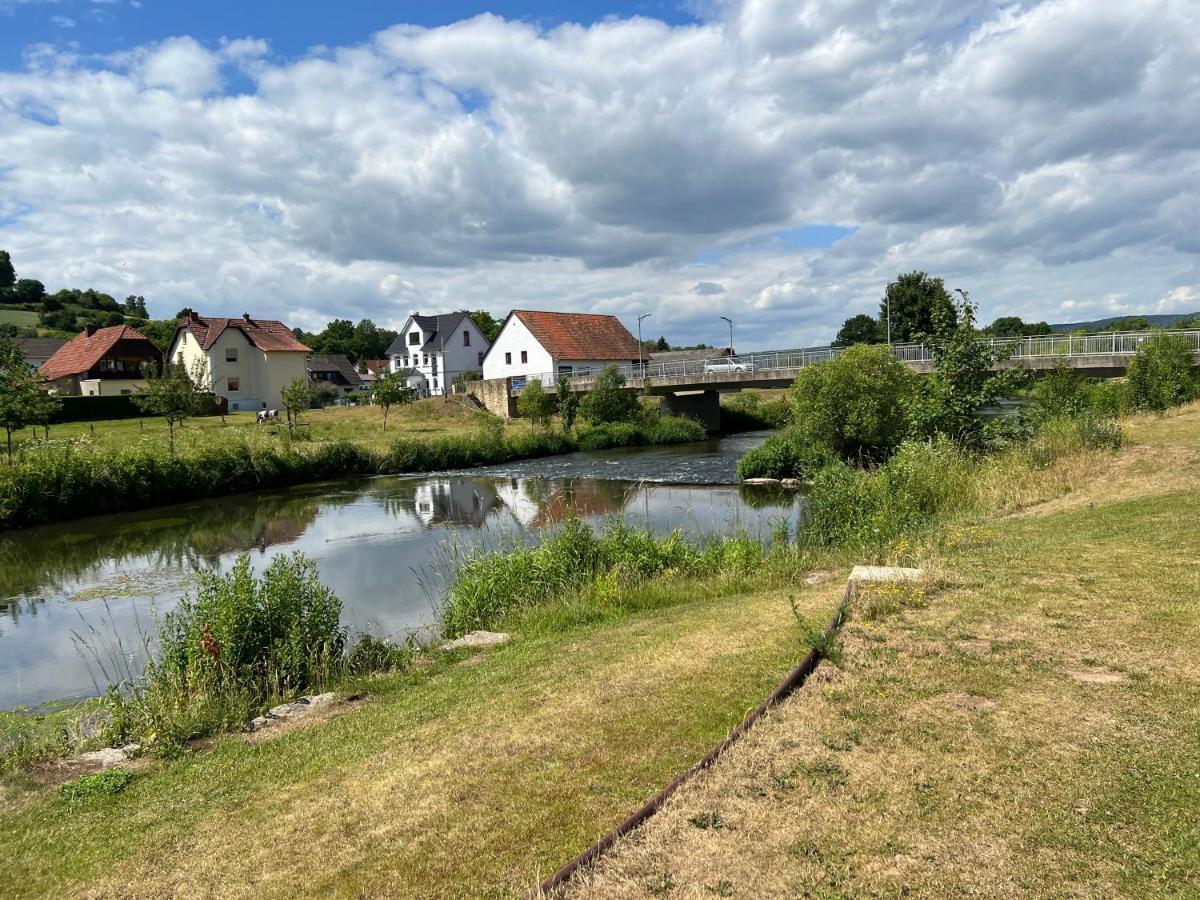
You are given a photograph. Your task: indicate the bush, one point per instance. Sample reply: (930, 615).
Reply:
(535, 403)
(854, 403)
(608, 401)
(789, 455)
(97, 784)
(749, 412)
(1160, 374)
(228, 649)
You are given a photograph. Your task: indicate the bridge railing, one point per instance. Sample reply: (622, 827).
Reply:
(1116, 343)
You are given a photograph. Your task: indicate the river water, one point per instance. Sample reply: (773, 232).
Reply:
(76, 597)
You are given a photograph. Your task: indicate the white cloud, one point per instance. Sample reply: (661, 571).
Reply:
(1041, 155)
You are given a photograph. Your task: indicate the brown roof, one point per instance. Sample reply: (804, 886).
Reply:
(83, 351)
(377, 366)
(333, 362)
(580, 335)
(265, 334)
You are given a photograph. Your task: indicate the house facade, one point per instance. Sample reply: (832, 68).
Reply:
(545, 344)
(247, 361)
(431, 351)
(335, 370)
(101, 362)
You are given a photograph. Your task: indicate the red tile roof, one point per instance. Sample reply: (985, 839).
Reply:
(580, 335)
(83, 351)
(265, 334)
(377, 366)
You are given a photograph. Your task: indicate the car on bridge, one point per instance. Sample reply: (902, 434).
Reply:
(727, 364)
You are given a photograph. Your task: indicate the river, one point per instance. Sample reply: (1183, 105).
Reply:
(76, 598)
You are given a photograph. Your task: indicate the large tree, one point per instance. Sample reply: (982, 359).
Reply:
(860, 329)
(914, 298)
(8, 275)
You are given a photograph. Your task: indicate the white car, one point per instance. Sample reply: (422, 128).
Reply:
(727, 364)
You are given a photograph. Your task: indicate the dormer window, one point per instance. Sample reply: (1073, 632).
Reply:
(414, 338)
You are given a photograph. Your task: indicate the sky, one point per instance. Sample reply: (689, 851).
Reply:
(775, 161)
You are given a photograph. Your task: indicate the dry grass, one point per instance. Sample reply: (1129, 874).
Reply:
(1029, 730)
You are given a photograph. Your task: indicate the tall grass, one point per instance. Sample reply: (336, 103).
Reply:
(63, 482)
(229, 649)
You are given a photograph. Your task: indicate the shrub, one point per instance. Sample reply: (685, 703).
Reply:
(535, 403)
(789, 455)
(854, 403)
(232, 646)
(608, 401)
(1160, 374)
(371, 654)
(97, 784)
(749, 412)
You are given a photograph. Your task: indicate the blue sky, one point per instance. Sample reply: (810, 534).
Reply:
(776, 161)
(292, 26)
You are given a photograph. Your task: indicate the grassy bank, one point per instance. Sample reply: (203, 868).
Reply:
(472, 776)
(62, 480)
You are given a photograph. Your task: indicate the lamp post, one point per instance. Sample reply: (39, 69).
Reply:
(730, 321)
(642, 365)
(887, 296)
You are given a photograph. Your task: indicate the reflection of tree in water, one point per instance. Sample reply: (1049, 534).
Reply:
(42, 559)
(13, 608)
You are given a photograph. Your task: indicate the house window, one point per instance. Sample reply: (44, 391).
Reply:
(524, 356)
(231, 354)
(508, 359)
(404, 361)
(234, 385)
(435, 384)
(414, 338)
(466, 338)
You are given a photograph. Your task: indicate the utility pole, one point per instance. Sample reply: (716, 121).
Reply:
(641, 364)
(730, 321)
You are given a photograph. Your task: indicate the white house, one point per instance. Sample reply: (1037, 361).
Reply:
(434, 350)
(533, 343)
(248, 361)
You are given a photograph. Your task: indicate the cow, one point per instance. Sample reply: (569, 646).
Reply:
(267, 415)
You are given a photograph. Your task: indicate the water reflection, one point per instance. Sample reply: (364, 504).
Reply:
(373, 540)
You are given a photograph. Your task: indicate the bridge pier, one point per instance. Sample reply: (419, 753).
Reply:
(703, 406)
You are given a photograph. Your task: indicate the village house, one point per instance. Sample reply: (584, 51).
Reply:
(247, 361)
(101, 362)
(547, 344)
(335, 370)
(37, 351)
(432, 351)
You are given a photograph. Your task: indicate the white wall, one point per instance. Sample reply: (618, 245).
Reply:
(513, 339)
(440, 367)
(260, 376)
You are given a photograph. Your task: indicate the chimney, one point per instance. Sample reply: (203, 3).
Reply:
(193, 316)
(90, 330)
(246, 317)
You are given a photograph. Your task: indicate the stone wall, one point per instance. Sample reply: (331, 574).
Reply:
(496, 396)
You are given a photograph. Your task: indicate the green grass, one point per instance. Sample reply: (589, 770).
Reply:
(20, 317)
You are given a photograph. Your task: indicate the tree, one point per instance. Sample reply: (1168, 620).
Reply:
(1130, 323)
(860, 329)
(1006, 326)
(1160, 374)
(160, 332)
(22, 402)
(661, 344)
(535, 403)
(338, 337)
(608, 401)
(391, 390)
(8, 275)
(184, 313)
(173, 393)
(915, 297)
(854, 404)
(949, 401)
(27, 290)
(568, 402)
(135, 307)
(485, 322)
(297, 396)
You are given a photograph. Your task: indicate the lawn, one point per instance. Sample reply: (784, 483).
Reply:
(1028, 728)
(22, 318)
(363, 424)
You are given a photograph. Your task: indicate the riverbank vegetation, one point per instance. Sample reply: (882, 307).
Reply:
(482, 774)
(58, 480)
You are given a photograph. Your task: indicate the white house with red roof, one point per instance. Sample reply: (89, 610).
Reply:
(247, 361)
(535, 343)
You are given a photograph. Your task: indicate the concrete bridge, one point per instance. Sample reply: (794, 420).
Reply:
(693, 387)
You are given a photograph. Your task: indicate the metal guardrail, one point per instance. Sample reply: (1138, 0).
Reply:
(1116, 343)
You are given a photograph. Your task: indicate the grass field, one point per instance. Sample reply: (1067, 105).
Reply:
(1027, 728)
(22, 318)
(363, 424)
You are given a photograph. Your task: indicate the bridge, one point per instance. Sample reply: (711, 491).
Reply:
(692, 387)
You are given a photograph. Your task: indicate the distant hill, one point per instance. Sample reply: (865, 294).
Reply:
(1163, 321)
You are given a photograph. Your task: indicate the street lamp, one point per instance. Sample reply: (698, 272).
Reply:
(730, 321)
(641, 365)
(887, 295)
